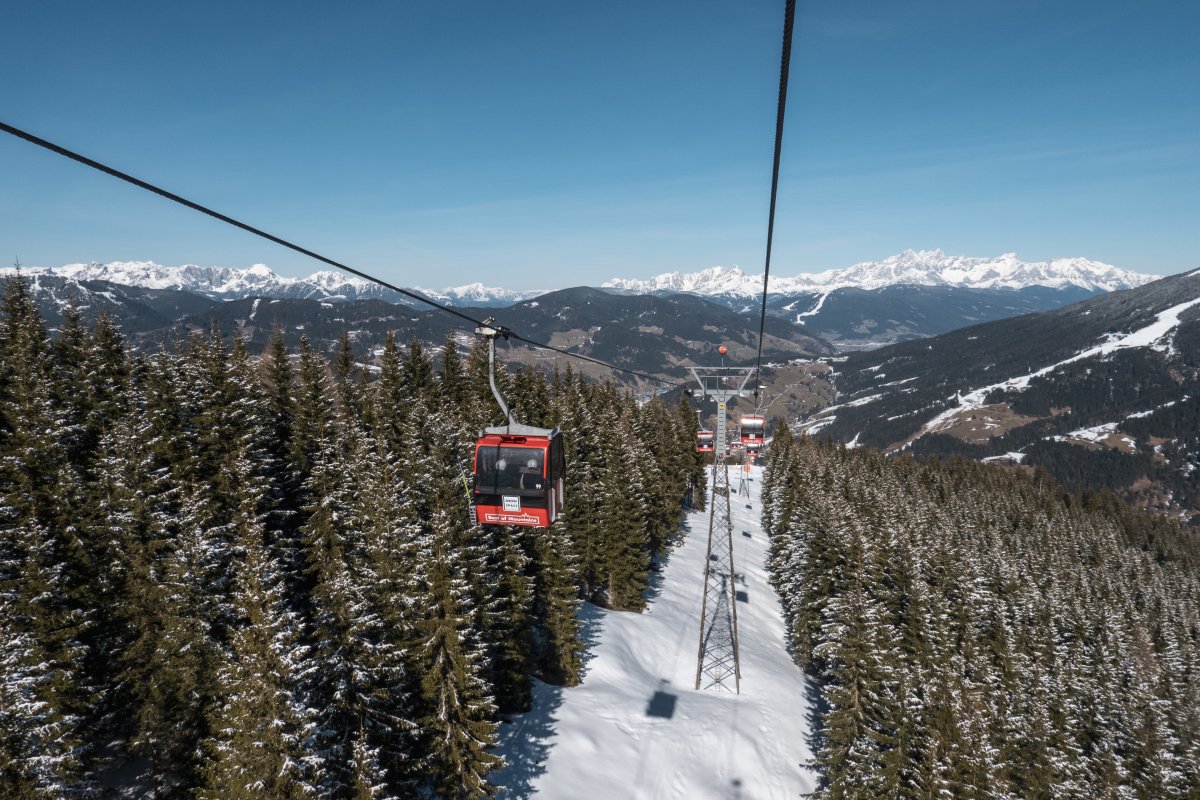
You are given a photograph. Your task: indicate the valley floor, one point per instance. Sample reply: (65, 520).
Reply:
(635, 727)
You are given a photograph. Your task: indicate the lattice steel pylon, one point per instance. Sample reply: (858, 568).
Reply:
(717, 661)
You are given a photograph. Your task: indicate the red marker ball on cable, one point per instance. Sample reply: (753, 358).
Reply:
(722, 349)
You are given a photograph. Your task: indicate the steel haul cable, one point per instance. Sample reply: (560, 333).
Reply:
(789, 17)
(116, 173)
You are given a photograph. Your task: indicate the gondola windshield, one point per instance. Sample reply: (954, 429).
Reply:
(519, 469)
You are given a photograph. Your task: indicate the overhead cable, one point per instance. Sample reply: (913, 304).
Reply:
(116, 173)
(789, 16)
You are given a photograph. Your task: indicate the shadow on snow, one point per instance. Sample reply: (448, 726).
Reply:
(525, 744)
(525, 740)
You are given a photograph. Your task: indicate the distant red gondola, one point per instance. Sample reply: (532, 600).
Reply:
(752, 429)
(705, 442)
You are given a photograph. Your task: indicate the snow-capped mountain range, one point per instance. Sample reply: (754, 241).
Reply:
(919, 268)
(231, 283)
(476, 294)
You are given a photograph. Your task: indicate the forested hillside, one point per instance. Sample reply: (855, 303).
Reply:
(1103, 394)
(224, 576)
(658, 335)
(982, 634)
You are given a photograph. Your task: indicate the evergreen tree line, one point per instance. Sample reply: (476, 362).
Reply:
(979, 633)
(230, 577)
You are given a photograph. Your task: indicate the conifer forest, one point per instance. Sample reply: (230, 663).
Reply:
(978, 633)
(227, 574)
(234, 575)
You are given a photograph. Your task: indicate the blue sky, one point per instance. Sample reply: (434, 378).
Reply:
(542, 144)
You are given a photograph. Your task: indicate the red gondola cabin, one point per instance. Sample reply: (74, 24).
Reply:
(752, 429)
(705, 442)
(519, 476)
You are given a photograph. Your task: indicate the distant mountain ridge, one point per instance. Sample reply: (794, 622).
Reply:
(910, 268)
(259, 280)
(912, 295)
(909, 296)
(653, 335)
(862, 319)
(915, 268)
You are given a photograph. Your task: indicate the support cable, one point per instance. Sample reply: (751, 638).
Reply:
(116, 173)
(789, 17)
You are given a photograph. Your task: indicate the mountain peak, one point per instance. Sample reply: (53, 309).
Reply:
(910, 267)
(713, 280)
(259, 280)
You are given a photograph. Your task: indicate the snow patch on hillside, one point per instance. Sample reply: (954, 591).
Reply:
(811, 427)
(1094, 434)
(1011, 457)
(1168, 404)
(635, 727)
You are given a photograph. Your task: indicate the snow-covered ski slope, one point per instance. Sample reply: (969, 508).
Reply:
(635, 727)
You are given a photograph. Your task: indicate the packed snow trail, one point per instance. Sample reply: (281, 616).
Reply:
(635, 727)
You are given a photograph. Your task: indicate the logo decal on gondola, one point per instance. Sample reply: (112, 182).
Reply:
(524, 518)
(512, 503)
